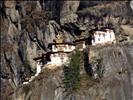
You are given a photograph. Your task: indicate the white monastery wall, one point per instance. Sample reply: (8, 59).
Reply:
(56, 59)
(38, 68)
(54, 48)
(64, 48)
(101, 37)
(84, 46)
(69, 48)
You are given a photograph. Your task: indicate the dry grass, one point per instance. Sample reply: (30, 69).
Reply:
(86, 81)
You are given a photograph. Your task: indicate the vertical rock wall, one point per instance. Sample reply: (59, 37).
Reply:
(27, 28)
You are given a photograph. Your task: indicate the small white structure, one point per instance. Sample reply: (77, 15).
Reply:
(61, 57)
(59, 51)
(58, 59)
(38, 68)
(102, 37)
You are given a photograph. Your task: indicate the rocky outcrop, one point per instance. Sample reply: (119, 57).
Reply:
(48, 86)
(28, 26)
(68, 12)
(127, 29)
(131, 4)
(116, 82)
(106, 15)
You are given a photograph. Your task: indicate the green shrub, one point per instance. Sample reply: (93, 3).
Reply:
(72, 71)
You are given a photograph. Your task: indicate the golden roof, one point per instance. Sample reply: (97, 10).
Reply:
(59, 39)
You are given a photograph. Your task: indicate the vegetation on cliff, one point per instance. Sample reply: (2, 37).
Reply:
(72, 71)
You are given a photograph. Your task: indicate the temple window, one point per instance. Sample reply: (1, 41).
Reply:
(65, 46)
(54, 47)
(54, 55)
(60, 48)
(69, 47)
(99, 34)
(94, 40)
(104, 36)
(98, 39)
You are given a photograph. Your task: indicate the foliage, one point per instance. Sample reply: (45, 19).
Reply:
(72, 71)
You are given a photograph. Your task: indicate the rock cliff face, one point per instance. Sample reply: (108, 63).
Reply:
(28, 26)
(131, 4)
(68, 12)
(116, 83)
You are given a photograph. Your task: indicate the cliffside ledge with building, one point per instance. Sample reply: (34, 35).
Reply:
(116, 82)
(27, 27)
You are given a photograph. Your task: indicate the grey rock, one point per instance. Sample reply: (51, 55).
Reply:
(131, 4)
(10, 4)
(21, 43)
(127, 29)
(14, 15)
(68, 12)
